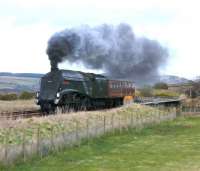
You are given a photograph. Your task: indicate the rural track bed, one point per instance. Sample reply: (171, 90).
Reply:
(20, 114)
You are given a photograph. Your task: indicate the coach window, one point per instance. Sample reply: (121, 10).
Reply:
(111, 85)
(114, 86)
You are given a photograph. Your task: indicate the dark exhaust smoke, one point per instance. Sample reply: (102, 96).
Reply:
(114, 49)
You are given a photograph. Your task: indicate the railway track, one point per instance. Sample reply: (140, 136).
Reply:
(37, 113)
(20, 114)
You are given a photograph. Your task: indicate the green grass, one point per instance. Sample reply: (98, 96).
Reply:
(172, 145)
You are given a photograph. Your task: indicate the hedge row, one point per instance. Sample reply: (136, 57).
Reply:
(13, 96)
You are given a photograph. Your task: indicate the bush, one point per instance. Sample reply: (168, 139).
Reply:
(26, 95)
(8, 97)
(161, 85)
(146, 91)
(165, 93)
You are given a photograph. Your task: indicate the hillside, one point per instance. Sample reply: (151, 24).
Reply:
(17, 82)
(172, 79)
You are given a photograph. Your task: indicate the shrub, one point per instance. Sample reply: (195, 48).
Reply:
(165, 93)
(26, 95)
(8, 97)
(161, 85)
(146, 91)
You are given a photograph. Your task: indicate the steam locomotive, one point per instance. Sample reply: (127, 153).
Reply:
(66, 89)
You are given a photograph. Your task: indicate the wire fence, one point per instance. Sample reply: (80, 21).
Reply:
(72, 131)
(190, 109)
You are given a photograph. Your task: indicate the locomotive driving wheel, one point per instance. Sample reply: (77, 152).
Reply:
(74, 102)
(47, 108)
(85, 104)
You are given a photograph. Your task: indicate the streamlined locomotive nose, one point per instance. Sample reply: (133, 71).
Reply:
(49, 88)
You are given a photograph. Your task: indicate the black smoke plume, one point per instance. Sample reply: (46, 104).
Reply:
(114, 49)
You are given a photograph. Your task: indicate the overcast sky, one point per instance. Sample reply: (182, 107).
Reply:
(26, 26)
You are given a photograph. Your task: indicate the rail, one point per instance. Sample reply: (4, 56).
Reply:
(20, 114)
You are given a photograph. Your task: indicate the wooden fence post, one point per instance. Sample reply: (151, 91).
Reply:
(131, 120)
(95, 124)
(38, 141)
(137, 122)
(87, 129)
(6, 146)
(104, 124)
(23, 145)
(77, 136)
(112, 122)
(126, 123)
(178, 110)
(159, 117)
(120, 126)
(52, 136)
(63, 134)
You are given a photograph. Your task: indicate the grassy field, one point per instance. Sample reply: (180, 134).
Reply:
(172, 145)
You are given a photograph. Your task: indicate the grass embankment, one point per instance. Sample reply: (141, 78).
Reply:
(172, 145)
(13, 132)
(17, 105)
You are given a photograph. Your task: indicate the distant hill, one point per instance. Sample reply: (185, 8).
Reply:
(31, 75)
(171, 79)
(197, 79)
(18, 82)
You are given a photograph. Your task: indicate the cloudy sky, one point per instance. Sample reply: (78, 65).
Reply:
(26, 26)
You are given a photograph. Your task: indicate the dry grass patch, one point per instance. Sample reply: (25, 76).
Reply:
(17, 105)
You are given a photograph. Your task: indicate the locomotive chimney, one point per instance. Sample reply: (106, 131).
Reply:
(54, 65)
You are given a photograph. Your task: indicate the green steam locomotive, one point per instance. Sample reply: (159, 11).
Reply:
(66, 89)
